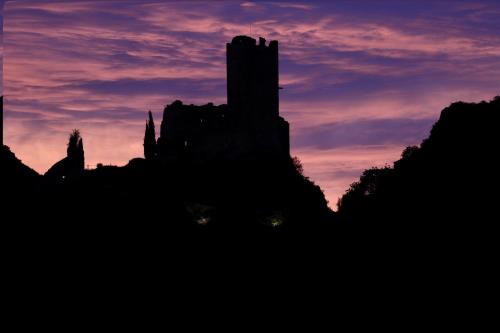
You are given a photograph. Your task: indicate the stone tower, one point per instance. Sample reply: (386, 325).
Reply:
(252, 78)
(249, 126)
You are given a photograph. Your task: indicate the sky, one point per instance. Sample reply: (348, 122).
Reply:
(361, 79)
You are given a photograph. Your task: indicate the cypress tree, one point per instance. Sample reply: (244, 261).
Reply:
(150, 138)
(75, 151)
(80, 156)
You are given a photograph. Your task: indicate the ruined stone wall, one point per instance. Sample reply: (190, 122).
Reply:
(248, 126)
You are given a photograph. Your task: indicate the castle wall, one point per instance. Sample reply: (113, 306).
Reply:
(252, 78)
(248, 127)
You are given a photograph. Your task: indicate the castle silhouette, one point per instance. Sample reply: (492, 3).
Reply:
(248, 126)
(442, 191)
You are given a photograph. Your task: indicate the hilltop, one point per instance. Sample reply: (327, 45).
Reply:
(448, 183)
(14, 175)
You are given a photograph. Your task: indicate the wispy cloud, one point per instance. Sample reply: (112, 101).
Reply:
(365, 132)
(336, 169)
(354, 77)
(300, 6)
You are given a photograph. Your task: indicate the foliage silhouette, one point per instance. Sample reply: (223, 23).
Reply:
(450, 177)
(447, 184)
(73, 163)
(150, 138)
(436, 208)
(15, 177)
(75, 150)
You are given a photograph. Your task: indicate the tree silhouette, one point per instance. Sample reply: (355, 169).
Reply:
(451, 177)
(73, 163)
(297, 163)
(75, 152)
(81, 155)
(150, 138)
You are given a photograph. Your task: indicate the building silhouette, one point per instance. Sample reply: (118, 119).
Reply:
(248, 126)
(252, 78)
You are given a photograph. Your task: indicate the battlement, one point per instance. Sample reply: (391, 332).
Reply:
(243, 40)
(249, 42)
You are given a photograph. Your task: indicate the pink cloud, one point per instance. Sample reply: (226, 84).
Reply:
(48, 59)
(335, 169)
(104, 143)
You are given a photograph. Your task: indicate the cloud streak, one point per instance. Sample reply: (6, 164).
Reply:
(354, 77)
(366, 132)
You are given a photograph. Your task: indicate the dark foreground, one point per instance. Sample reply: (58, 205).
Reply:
(411, 245)
(440, 195)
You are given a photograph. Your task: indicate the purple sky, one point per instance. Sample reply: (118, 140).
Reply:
(362, 79)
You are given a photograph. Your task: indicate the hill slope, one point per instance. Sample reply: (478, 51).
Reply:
(450, 181)
(14, 175)
(238, 195)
